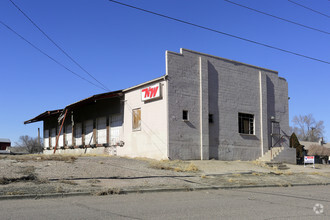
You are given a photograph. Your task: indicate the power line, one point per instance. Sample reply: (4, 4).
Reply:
(279, 18)
(65, 53)
(44, 53)
(220, 32)
(328, 16)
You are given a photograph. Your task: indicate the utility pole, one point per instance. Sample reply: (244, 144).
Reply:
(39, 136)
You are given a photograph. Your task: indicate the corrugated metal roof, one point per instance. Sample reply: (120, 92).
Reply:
(44, 115)
(80, 103)
(5, 140)
(88, 100)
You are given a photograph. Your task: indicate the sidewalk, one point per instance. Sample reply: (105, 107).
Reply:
(37, 176)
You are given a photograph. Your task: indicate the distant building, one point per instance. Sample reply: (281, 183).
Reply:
(203, 107)
(4, 143)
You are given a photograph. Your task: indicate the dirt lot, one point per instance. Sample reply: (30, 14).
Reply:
(100, 175)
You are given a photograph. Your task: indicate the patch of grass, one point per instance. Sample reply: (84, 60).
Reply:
(14, 193)
(38, 157)
(93, 181)
(174, 165)
(27, 170)
(108, 192)
(4, 181)
(70, 182)
(230, 180)
(30, 177)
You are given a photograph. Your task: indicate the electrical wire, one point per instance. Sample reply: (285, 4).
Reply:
(279, 18)
(61, 49)
(44, 53)
(220, 32)
(328, 16)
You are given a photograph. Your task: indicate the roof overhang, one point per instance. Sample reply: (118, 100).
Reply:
(75, 105)
(44, 115)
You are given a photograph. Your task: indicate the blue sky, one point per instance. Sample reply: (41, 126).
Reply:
(122, 47)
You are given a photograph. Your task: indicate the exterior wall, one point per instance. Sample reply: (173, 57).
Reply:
(4, 145)
(84, 125)
(151, 140)
(205, 84)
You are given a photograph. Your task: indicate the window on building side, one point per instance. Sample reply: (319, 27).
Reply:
(245, 123)
(137, 119)
(210, 118)
(185, 115)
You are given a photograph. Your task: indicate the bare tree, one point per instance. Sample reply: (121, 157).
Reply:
(30, 143)
(307, 128)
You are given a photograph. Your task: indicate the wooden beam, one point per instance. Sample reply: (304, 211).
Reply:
(59, 133)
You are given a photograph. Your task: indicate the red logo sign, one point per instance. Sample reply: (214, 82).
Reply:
(150, 92)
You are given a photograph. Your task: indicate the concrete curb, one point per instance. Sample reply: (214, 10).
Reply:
(153, 190)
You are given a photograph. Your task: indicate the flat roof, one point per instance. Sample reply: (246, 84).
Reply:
(5, 140)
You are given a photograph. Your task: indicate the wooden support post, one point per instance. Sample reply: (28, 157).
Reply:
(59, 133)
(94, 130)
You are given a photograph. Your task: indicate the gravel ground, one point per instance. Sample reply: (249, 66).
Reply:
(40, 174)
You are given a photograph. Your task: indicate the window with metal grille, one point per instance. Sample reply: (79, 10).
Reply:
(245, 123)
(137, 119)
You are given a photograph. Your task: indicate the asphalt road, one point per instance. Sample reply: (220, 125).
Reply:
(253, 203)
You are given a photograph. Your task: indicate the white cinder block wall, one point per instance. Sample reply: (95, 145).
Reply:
(203, 84)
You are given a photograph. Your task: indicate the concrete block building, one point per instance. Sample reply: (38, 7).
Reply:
(204, 107)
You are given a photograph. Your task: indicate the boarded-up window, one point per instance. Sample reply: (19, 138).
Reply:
(137, 119)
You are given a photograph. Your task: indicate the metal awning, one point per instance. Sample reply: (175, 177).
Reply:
(75, 105)
(44, 115)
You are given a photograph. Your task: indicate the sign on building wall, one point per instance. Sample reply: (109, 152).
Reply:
(151, 92)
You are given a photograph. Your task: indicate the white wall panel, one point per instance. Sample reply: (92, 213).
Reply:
(115, 129)
(101, 130)
(89, 139)
(68, 135)
(53, 136)
(78, 134)
(46, 138)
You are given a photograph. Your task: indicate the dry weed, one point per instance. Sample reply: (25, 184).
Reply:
(70, 182)
(14, 193)
(175, 165)
(38, 157)
(93, 181)
(108, 192)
